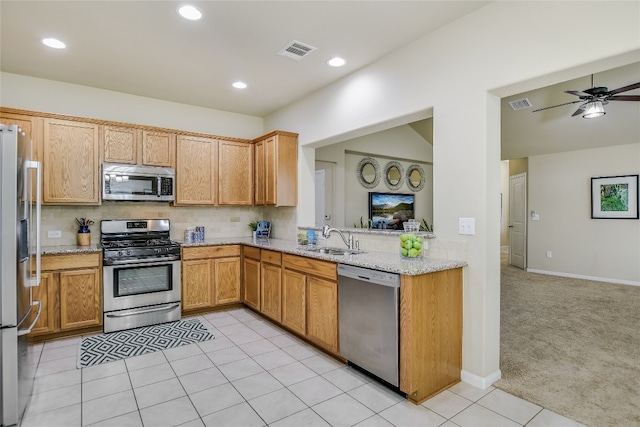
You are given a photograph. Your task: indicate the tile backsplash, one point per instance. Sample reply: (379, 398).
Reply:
(219, 221)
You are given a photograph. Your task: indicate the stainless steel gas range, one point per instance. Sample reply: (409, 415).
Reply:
(141, 273)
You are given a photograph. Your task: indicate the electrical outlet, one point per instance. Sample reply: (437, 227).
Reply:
(56, 234)
(548, 254)
(467, 226)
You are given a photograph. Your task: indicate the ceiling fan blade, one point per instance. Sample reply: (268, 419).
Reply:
(625, 88)
(624, 98)
(554, 106)
(577, 93)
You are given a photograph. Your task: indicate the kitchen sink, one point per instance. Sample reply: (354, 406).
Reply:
(333, 251)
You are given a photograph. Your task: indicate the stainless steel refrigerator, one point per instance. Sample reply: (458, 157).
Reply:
(20, 188)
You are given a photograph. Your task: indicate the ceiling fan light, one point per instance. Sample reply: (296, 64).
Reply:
(594, 109)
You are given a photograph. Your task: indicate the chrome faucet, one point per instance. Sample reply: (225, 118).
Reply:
(326, 232)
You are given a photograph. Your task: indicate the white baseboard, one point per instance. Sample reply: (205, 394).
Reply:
(480, 382)
(580, 276)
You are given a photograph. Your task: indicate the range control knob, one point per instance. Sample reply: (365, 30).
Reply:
(128, 253)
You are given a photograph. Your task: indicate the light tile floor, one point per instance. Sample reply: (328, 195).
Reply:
(252, 374)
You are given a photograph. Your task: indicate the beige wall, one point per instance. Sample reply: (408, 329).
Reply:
(459, 72)
(560, 190)
(400, 144)
(28, 93)
(504, 213)
(518, 166)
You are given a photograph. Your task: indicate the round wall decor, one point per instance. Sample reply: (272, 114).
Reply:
(415, 177)
(368, 172)
(393, 175)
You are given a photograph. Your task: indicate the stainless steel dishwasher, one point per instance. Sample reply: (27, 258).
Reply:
(368, 304)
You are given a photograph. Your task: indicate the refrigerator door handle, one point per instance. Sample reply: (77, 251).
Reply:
(35, 280)
(22, 332)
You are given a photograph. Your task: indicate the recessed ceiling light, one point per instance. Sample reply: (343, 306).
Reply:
(336, 62)
(190, 12)
(54, 43)
(239, 85)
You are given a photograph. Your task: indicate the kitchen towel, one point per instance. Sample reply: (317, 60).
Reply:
(104, 348)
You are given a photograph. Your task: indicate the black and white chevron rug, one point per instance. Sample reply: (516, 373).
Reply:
(135, 342)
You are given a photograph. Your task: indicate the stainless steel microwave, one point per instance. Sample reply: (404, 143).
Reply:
(138, 183)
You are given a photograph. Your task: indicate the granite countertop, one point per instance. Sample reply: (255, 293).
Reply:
(383, 261)
(69, 249)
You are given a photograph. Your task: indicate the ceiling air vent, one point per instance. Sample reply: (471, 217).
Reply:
(520, 104)
(296, 50)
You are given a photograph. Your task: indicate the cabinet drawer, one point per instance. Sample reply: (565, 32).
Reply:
(210, 252)
(325, 269)
(70, 261)
(251, 252)
(271, 257)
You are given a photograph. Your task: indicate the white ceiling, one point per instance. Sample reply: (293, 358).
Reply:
(525, 133)
(144, 48)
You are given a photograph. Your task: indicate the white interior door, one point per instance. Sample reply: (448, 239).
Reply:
(320, 188)
(518, 220)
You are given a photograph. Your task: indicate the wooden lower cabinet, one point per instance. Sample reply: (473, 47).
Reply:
(310, 299)
(47, 294)
(80, 302)
(294, 301)
(430, 333)
(70, 293)
(322, 311)
(197, 284)
(210, 276)
(271, 291)
(251, 277)
(227, 280)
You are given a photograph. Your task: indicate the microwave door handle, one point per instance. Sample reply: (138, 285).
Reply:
(159, 186)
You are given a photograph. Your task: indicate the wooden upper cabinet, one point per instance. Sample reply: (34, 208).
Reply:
(276, 169)
(71, 162)
(121, 145)
(158, 148)
(32, 126)
(235, 173)
(135, 146)
(196, 174)
(259, 174)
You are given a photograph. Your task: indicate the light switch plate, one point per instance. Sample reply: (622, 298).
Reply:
(467, 226)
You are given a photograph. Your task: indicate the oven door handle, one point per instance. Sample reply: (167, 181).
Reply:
(137, 263)
(145, 310)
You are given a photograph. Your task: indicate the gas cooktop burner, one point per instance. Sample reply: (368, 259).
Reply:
(137, 241)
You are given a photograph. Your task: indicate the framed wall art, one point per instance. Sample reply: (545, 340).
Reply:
(614, 197)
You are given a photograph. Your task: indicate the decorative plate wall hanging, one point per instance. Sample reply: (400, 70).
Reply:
(415, 177)
(368, 172)
(393, 175)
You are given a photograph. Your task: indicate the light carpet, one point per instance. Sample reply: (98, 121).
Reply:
(113, 346)
(572, 346)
